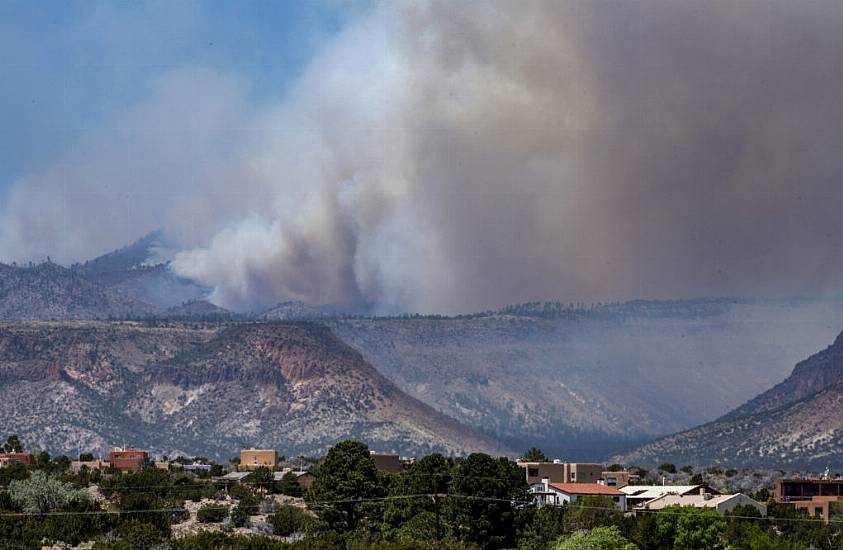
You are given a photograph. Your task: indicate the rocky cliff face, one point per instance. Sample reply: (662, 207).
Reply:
(796, 424)
(207, 390)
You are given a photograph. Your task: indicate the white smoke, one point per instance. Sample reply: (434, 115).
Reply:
(450, 156)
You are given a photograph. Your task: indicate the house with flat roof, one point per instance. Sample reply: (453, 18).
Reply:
(252, 459)
(619, 479)
(548, 493)
(128, 460)
(637, 495)
(561, 472)
(7, 459)
(817, 496)
(722, 503)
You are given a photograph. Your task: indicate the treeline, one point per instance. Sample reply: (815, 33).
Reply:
(477, 501)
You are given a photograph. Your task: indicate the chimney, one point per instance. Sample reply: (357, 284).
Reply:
(702, 491)
(545, 483)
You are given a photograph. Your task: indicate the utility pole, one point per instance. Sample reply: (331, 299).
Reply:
(436, 508)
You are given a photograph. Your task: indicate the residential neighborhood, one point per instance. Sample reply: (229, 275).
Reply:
(249, 494)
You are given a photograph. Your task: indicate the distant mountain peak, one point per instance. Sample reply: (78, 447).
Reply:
(136, 254)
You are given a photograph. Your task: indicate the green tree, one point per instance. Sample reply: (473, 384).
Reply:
(599, 538)
(262, 478)
(542, 527)
(592, 511)
(42, 493)
(430, 475)
(288, 485)
(535, 455)
(479, 507)
(345, 478)
(690, 528)
(667, 467)
(13, 445)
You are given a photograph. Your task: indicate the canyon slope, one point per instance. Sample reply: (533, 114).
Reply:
(206, 389)
(797, 424)
(582, 383)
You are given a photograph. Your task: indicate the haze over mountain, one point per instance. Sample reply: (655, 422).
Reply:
(182, 388)
(796, 424)
(582, 382)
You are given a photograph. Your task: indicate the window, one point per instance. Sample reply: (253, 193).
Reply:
(573, 475)
(533, 472)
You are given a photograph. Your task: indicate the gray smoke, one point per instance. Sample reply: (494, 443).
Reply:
(451, 156)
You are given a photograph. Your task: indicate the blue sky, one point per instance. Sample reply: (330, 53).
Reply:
(66, 65)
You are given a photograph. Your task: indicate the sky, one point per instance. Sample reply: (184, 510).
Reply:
(68, 65)
(433, 155)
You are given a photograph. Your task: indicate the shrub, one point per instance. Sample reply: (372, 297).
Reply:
(288, 520)
(240, 515)
(212, 513)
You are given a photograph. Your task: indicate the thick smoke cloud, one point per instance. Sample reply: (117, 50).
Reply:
(450, 156)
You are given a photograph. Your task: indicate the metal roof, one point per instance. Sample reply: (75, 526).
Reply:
(654, 491)
(236, 476)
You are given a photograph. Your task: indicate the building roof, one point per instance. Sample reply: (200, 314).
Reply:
(697, 501)
(278, 476)
(650, 492)
(236, 476)
(586, 489)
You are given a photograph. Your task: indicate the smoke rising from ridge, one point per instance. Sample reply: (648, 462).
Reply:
(446, 156)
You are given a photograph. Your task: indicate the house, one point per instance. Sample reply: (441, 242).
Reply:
(233, 478)
(814, 495)
(77, 465)
(7, 459)
(722, 503)
(196, 467)
(561, 472)
(128, 460)
(304, 479)
(548, 493)
(252, 459)
(387, 462)
(619, 479)
(637, 495)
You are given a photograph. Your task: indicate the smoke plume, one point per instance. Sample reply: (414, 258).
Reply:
(451, 156)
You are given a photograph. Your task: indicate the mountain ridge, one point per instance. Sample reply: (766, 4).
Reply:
(797, 423)
(195, 388)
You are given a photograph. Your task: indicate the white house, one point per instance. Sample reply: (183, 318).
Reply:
(559, 494)
(722, 503)
(637, 495)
